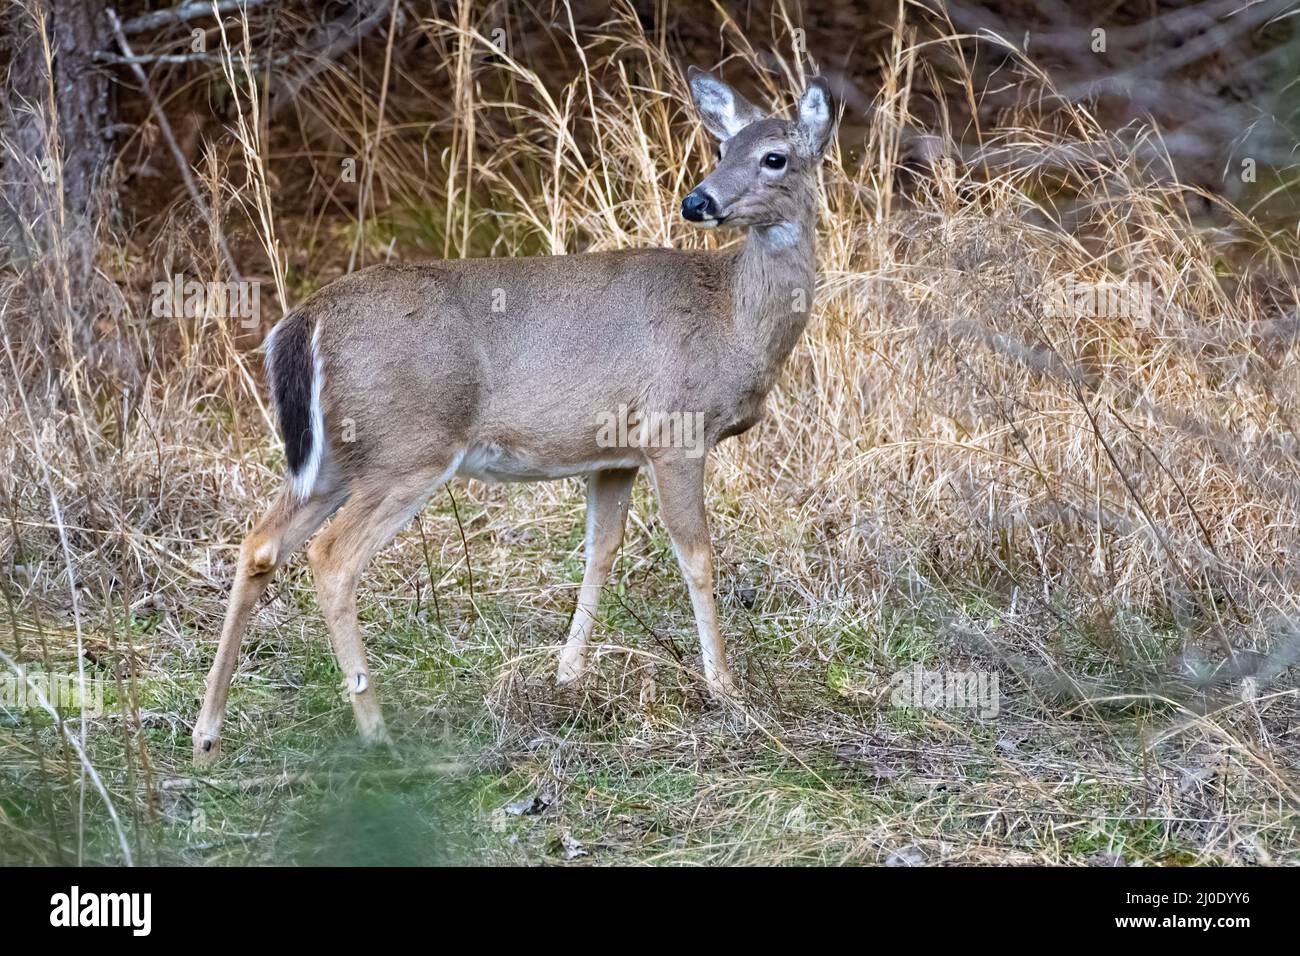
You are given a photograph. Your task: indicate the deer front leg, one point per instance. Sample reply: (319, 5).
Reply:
(679, 483)
(608, 495)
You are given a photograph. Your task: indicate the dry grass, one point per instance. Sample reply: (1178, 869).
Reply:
(1101, 511)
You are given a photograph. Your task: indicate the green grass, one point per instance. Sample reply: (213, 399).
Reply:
(832, 779)
(637, 766)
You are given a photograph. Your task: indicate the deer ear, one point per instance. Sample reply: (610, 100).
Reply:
(815, 120)
(723, 111)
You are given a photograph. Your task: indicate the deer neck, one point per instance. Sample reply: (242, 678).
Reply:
(773, 291)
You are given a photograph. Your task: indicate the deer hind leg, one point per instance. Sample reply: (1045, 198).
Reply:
(679, 483)
(608, 495)
(280, 533)
(371, 518)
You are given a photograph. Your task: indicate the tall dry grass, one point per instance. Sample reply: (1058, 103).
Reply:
(1103, 508)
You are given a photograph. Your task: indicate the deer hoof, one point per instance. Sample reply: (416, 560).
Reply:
(573, 665)
(376, 735)
(207, 749)
(722, 687)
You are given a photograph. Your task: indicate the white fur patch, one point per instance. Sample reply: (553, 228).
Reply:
(783, 234)
(303, 482)
(814, 117)
(491, 462)
(724, 112)
(265, 555)
(813, 109)
(718, 107)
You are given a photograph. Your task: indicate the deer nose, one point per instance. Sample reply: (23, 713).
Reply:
(698, 206)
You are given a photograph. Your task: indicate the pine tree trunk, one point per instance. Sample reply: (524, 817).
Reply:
(52, 175)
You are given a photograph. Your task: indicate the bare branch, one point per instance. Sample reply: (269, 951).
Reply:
(184, 13)
(339, 36)
(181, 164)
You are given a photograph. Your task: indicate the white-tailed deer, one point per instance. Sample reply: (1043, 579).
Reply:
(393, 380)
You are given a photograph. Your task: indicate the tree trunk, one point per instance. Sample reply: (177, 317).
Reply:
(52, 217)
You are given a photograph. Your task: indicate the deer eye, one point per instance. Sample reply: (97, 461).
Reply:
(774, 161)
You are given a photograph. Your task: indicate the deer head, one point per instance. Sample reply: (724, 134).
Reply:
(767, 167)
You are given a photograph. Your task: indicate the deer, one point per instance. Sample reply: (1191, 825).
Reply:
(395, 379)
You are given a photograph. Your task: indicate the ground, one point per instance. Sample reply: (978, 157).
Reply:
(492, 763)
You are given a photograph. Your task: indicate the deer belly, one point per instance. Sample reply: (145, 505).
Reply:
(493, 462)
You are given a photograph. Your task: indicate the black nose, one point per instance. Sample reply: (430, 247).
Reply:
(697, 207)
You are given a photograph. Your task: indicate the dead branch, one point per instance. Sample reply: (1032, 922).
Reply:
(182, 166)
(184, 13)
